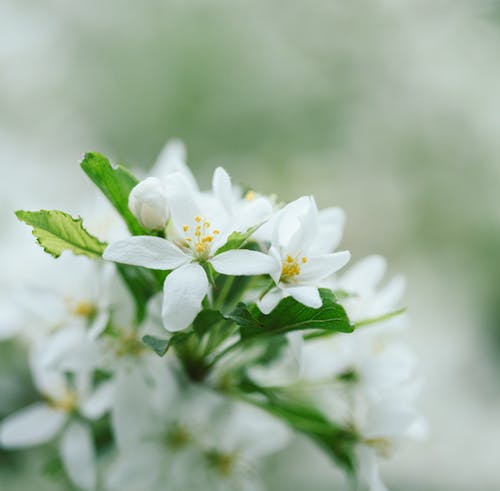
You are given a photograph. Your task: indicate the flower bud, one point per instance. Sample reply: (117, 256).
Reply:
(148, 202)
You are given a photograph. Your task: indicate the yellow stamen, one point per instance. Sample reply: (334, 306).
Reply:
(250, 196)
(185, 228)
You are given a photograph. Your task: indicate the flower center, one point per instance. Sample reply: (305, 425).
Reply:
(381, 445)
(291, 267)
(223, 463)
(68, 402)
(199, 238)
(81, 308)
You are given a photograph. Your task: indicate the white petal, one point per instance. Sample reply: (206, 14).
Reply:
(242, 262)
(172, 159)
(149, 252)
(98, 325)
(183, 293)
(60, 345)
(33, 425)
(270, 300)
(331, 227)
(320, 267)
(77, 453)
(367, 469)
(275, 254)
(306, 295)
(365, 275)
(99, 402)
(137, 468)
(223, 189)
(183, 201)
(307, 230)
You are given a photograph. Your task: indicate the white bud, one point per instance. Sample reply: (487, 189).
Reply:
(148, 202)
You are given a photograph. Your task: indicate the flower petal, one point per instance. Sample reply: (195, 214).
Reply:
(223, 189)
(270, 300)
(306, 295)
(320, 267)
(173, 159)
(32, 425)
(138, 467)
(242, 262)
(78, 455)
(331, 227)
(99, 402)
(183, 201)
(149, 252)
(183, 293)
(364, 276)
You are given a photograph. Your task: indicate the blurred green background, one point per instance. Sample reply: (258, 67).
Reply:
(388, 108)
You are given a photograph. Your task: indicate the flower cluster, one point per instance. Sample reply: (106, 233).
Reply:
(198, 340)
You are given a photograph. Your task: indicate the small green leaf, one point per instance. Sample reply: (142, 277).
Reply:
(159, 346)
(57, 232)
(290, 315)
(116, 184)
(237, 240)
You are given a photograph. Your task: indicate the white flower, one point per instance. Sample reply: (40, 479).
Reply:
(195, 234)
(148, 202)
(361, 282)
(42, 421)
(299, 263)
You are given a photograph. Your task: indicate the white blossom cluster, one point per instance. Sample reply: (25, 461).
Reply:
(217, 401)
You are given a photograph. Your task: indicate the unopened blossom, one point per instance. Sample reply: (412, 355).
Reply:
(148, 202)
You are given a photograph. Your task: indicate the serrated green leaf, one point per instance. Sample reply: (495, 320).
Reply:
(57, 232)
(159, 346)
(290, 315)
(237, 240)
(116, 184)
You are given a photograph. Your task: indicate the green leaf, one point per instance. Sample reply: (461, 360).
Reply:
(116, 184)
(290, 315)
(237, 240)
(57, 232)
(159, 346)
(142, 283)
(206, 320)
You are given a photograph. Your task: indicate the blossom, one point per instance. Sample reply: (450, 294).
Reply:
(195, 234)
(148, 202)
(43, 421)
(299, 264)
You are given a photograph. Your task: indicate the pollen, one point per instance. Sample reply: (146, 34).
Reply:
(291, 267)
(81, 308)
(67, 403)
(250, 196)
(200, 237)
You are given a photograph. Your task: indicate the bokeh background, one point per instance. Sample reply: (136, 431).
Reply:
(388, 108)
